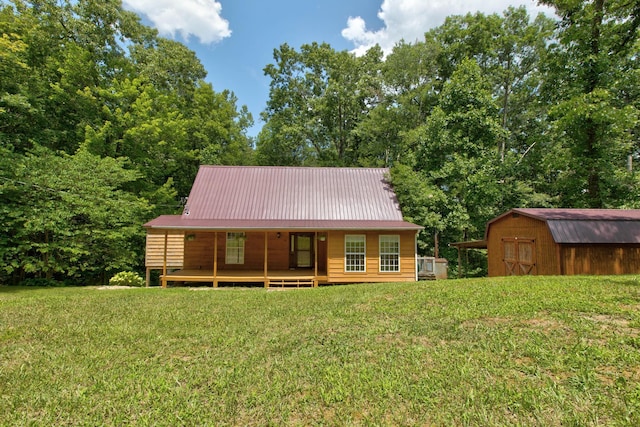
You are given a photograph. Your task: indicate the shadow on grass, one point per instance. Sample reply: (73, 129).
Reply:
(624, 280)
(13, 289)
(5, 289)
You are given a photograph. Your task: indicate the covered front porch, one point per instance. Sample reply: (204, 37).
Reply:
(278, 278)
(285, 258)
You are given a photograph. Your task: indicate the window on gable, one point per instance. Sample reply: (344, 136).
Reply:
(354, 253)
(390, 253)
(235, 248)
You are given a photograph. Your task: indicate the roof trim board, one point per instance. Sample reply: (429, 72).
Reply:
(173, 222)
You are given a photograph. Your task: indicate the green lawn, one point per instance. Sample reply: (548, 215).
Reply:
(532, 351)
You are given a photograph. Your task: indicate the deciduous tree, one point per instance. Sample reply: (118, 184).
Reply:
(594, 51)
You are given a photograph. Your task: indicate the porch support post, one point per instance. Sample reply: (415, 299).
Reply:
(415, 256)
(215, 260)
(315, 261)
(148, 277)
(164, 260)
(266, 259)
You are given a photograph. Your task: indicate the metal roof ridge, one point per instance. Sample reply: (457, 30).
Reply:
(293, 167)
(583, 214)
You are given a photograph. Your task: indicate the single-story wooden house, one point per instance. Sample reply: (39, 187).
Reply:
(285, 226)
(564, 242)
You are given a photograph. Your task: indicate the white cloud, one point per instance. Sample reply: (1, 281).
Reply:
(199, 18)
(408, 20)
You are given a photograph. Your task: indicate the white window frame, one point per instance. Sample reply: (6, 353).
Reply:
(385, 238)
(234, 253)
(350, 267)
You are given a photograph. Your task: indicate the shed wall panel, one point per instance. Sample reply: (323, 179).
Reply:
(600, 259)
(521, 227)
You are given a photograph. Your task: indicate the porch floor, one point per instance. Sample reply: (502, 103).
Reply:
(279, 278)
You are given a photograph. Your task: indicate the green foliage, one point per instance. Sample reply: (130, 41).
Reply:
(603, 166)
(421, 204)
(103, 125)
(457, 153)
(486, 113)
(317, 98)
(127, 278)
(69, 217)
(594, 51)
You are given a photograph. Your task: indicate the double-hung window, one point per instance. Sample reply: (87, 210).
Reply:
(354, 253)
(390, 253)
(235, 248)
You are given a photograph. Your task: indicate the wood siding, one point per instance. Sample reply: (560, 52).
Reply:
(514, 227)
(199, 252)
(600, 259)
(154, 253)
(551, 258)
(336, 258)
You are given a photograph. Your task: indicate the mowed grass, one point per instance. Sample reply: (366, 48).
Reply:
(524, 351)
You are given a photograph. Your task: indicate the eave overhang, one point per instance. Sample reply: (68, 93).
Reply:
(178, 222)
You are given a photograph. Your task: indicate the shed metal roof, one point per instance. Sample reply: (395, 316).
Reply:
(580, 214)
(601, 231)
(262, 197)
(585, 226)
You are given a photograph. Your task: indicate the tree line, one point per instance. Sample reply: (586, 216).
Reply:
(486, 113)
(103, 124)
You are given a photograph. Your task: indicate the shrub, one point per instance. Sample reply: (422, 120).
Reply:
(126, 278)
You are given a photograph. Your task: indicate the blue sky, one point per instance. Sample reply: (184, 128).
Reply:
(235, 39)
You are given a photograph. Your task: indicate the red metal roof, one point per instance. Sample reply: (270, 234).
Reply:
(585, 226)
(255, 197)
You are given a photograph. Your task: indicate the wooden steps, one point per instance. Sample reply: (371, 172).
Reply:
(291, 282)
(277, 279)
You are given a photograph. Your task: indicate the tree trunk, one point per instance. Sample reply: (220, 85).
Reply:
(505, 106)
(592, 83)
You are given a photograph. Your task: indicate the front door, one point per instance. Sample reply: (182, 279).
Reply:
(301, 250)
